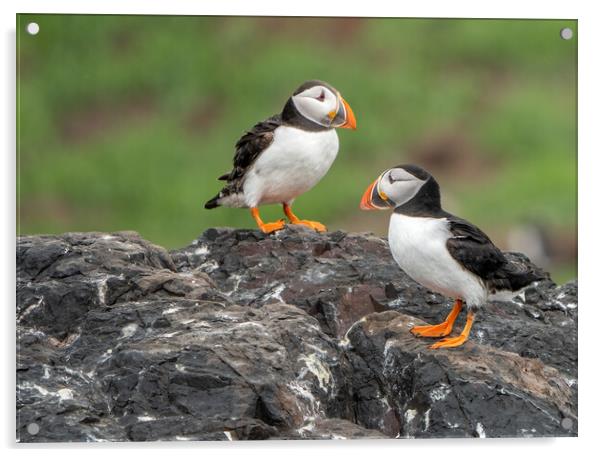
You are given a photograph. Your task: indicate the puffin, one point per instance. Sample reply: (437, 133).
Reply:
(287, 154)
(440, 251)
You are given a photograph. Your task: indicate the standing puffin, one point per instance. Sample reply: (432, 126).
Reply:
(439, 250)
(286, 155)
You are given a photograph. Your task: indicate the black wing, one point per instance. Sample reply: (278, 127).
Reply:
(472, 249)
(248, 148)
(476, 252)
(251, 145)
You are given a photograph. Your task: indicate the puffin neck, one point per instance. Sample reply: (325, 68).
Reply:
(292, 117)
(426, 202)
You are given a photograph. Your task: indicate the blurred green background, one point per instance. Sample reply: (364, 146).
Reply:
(124, 122)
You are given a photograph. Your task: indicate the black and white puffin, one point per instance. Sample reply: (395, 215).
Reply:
(286, 155)
(439, 250)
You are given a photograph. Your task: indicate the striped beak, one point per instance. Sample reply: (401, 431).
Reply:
(343, 117)
(375, 199)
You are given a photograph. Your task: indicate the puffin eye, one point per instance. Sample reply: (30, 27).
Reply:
(321, 97)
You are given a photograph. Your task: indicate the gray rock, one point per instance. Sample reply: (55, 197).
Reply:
(296, 335)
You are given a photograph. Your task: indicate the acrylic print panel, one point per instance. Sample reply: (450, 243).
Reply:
(150, 306)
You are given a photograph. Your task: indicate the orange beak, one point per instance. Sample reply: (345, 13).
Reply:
(350, 119)
(366, 202)
(373, 198)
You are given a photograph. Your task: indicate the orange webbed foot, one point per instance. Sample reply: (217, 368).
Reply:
(455, 341)
(267, 227)
(271, 227)
(317, 226)
(442, 329)
(452, 342)
(432, 331)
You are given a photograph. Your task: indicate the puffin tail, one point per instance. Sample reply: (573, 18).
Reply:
(213, 203)
(517, 277)
(520, 279)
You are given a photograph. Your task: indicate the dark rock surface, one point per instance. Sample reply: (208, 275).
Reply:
(296, 335)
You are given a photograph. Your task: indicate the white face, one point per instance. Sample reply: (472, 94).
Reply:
(318, 104)
(398, 185)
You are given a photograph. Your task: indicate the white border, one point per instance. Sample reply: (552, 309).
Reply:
(590, 151)
(506, 9)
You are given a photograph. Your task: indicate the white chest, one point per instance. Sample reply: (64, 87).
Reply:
(418, 245)
(294, 163)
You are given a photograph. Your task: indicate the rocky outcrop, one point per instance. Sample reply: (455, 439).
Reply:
(296, 335)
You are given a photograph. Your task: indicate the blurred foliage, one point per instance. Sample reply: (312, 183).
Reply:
(124, 122)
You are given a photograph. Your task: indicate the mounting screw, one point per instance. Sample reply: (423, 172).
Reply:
(33, 28)
(566, 423)
(33, 428)
(566, 33)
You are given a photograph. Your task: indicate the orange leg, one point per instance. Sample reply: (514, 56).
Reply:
(266, 227)
(442, 329)
(295, 220)
(456, 341)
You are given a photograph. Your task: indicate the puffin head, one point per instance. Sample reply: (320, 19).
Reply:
(399, 185)
(320, 103)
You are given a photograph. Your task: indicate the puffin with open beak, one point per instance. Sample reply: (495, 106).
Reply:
(440, 251)
(286, 155)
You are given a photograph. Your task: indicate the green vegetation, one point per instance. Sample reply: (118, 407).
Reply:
(126, 121)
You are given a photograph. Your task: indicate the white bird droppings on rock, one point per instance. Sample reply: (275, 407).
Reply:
(129, 330)
(409, 415)
(440, 392)
(480, 430)
(318, 369)
(30, 308)
(172, 310)
(275, 293)
(65, 394)
(202, 250)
